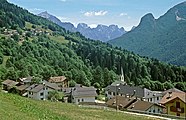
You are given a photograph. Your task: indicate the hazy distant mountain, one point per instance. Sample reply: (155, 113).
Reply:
(101, 32)
(67, 25)
(163, 38)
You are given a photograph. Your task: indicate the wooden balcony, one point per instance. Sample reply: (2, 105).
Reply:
(178, 110)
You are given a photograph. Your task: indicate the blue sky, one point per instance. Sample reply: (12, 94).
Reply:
(124, 13)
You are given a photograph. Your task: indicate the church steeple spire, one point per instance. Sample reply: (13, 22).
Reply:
(122, 75)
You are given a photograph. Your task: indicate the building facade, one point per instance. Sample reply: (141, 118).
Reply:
(80, 94)
(131, 91)
(41, 91)
(175, 103)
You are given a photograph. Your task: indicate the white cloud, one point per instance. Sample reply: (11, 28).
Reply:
(101, 13)
(123, 14)
(96, 13)
(88, 14)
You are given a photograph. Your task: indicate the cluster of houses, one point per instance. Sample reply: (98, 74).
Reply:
(121, 96)
(118, 95)
(40, 91)
(33, 32)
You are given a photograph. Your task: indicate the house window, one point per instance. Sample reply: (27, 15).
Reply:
(157, 98)
(109, 93)
(31, 93)
(78, 100)
(151, 99)
(114, 93)
(41, 94)
(82, 100)
(154, 111)
(177, 104)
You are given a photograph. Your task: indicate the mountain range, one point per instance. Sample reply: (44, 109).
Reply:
(163, 38)
(101, 32)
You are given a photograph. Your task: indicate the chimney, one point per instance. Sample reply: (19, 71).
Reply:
(170, 94)
(127, 95)
(134, 92)
(132, 105)
(143, 98)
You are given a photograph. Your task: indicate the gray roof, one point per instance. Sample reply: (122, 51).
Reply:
(127, 90)
(22, 87)
(67, 90)
(84, 91)
(151, 94)
(31, 87)
(52, 85)
(35, 87)
(80, 90)
(27, 79)
(38, 87)
(118, 82)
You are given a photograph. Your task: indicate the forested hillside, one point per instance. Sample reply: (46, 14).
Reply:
(162, 38)
(38, 47)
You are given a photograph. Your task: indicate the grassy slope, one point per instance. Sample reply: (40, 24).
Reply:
(13, 107)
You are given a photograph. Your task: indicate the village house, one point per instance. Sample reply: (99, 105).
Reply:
(120, 102)
(134, 104)
(175, 103)
(146, 107)
(61, 81)
(121, 88)
(9, 84)
(80, 94)
(127, 90)
(22, 89)
(41, 91)
(26, 80)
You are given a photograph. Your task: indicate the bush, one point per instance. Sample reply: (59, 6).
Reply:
(72, 83)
